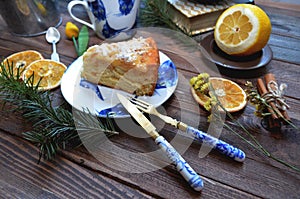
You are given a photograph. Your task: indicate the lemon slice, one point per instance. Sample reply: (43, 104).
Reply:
(232, 97)
(47, 73)
(242, 29)
(21, 60)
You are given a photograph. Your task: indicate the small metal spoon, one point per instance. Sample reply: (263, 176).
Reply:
(53, 36)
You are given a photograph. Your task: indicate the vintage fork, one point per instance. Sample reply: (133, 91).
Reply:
(200, 136)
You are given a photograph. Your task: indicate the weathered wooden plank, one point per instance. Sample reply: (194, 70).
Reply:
(288, 53)
(21, 176)
(275, 4)
(77, 174)
(285, 29)
(216, 169)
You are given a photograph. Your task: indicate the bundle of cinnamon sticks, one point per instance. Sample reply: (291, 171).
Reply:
(272, 93)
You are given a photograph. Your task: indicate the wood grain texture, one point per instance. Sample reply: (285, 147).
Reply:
(22, 177)
(289, 5)
(80, 173)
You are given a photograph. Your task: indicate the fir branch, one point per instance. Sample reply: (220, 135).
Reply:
(53, 126)
(155, 13)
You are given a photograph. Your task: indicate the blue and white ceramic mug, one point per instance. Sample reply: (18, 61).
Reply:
(107, 17)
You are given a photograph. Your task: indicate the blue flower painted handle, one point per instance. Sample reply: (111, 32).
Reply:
(221, 146)
(181, 165)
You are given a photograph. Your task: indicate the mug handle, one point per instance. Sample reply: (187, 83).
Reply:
(85, 5)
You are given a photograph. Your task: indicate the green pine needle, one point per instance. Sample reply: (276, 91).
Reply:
(251, 140)
(155, 13)
(53, 126)
(197, 83)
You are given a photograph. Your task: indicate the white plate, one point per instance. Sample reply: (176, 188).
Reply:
(101, 100)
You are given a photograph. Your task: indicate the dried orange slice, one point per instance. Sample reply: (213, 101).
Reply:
(242, 29)
(232, 97)
(47, 73)
(21, 60)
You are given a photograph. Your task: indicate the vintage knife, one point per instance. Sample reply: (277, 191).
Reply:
(181, 165)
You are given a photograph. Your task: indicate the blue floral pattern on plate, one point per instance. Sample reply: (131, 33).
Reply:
(101, 100)
(167, 77)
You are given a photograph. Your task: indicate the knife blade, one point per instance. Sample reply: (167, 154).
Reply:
(187, 172)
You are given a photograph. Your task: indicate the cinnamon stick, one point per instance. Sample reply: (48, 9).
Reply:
(273, 125)
(270, 77)
(263, 90)
(273, 122)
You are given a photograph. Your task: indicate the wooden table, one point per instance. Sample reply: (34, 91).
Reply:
(75, 173)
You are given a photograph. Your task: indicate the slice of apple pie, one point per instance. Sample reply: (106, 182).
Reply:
(131, 66)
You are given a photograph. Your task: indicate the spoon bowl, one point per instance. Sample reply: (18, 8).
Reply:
(53, 36)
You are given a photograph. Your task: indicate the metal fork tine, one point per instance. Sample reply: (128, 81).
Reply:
(140, 104)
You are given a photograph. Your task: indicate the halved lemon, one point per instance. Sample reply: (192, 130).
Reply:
(47, 73)
(242, 29)
(21, 60)
(232, 97)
